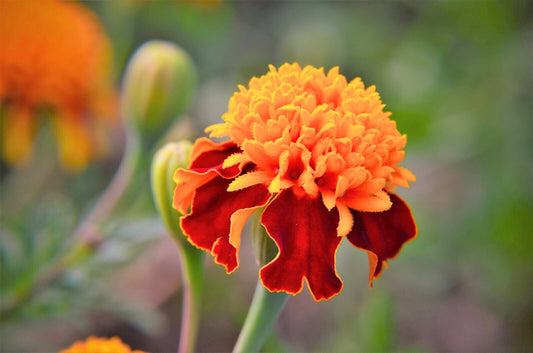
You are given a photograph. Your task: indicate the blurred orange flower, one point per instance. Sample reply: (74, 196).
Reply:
(320, 156)
(100, 345)
(54, 55)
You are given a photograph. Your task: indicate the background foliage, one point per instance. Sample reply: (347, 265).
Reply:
(457, 76)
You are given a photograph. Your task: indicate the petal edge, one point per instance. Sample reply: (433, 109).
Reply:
(306, 235)
(382, 234)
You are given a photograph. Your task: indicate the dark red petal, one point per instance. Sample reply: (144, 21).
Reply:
(306, 235)
(225, 254)
(207, 160)
(214, 158)
(208, 224)
(382, 234)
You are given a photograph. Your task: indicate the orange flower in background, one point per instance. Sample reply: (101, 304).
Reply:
(320, 155)
(100, 345)
(53, 55)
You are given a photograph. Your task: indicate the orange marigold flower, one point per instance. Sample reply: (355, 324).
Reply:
(54, 54)
(321, 156)
(100, 345)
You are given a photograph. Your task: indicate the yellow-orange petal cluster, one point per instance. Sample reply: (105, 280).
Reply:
(100, 345)
(313, 131)
(54, 55)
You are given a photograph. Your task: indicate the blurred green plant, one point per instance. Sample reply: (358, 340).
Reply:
(52, 258)
(42, 279)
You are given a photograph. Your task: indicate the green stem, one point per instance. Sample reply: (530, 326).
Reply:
(264, 311)
(164, 164)
(192, 274)
(84, 238)
(115, 189)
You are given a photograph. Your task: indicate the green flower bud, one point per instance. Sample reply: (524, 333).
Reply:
(166, 161)
(158, 86)
(164, 165)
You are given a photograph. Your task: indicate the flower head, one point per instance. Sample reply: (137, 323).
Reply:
(100, 345)
(320, 155)
(54, 55)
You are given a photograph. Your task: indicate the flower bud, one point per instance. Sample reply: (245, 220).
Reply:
(166, 161)
(158, 86)
(164, 165)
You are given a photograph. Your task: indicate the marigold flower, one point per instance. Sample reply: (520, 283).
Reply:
(100, 345)
(54, 55)
(321, 156)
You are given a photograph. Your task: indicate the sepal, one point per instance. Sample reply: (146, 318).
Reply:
(165, 162)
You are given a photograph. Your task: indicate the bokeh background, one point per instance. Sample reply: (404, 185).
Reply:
(457, 76)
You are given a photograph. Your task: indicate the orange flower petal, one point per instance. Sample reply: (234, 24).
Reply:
(252, 178)
(207, 159)
(266, 160)
(17, 130)
(203, 145)
(234, 159)
(100, 345)
(349, 179)
(76, 145)
(328, 198)
(402, 176)
(345, 219)
(378, 202)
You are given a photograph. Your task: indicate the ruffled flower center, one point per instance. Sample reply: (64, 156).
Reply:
(317, 132)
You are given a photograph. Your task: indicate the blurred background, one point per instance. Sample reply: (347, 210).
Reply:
(457, 76)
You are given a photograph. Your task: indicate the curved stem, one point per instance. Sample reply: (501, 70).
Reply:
(164, 164)
(84, 235)
(192, 273)
(264, 311)
(116, 187)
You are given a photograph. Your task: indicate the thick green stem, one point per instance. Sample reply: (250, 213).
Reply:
(192, 274)
(264, 311)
